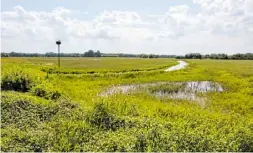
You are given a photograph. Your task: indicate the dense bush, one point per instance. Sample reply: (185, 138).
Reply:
(25, 121)
(101, 129)
(28, 111)
(19, 79)
(102, 118)
(20, 140)
(46, 90)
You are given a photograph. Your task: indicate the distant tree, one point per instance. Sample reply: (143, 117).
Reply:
(239, 56)
(50, 54)
(223, 56)
(193, 56)
(151, 56)
(206, 56)
(98, 54)
(89, 53)
(248, 56)
(167, 56)
(180, 57)
(144, 56)
(4, 55)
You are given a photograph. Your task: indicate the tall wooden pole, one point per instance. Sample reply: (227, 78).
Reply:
(58, 43)
(59, 64)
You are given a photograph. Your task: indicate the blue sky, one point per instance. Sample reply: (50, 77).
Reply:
(96, 6)
(144, 6)
(132, 26)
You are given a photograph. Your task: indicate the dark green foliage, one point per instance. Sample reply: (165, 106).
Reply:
(91, 53)
(193, 56)
(19, 79)
(245, 139)
(141, 143)
(217, 56)
(26, 121)
(102, 118)
(17, 83)
(247, 56)
(17, 140)
(24, 111)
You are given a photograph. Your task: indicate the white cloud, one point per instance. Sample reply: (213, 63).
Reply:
(219, 26)
(118, 17)
(232, 16)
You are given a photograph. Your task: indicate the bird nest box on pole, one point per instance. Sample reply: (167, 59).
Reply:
(58, 42)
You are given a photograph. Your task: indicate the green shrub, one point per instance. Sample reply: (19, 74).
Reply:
(141, 143)
(23, 110)
(18, 78)
(70, 135)
(47, 91)
(17, 140)
(102, 118)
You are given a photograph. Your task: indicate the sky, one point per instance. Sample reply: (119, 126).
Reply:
(173, 27)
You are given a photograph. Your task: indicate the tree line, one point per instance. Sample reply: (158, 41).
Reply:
(91, 53)
(239, 56)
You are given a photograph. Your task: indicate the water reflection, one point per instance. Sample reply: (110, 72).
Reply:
(188, 91)
(181, 65)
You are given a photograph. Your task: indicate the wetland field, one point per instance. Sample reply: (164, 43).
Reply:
(126, 105)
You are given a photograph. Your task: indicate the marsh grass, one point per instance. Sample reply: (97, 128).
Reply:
(167, 88)
(79, 120)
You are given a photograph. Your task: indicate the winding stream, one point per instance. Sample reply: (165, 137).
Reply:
(181, 65)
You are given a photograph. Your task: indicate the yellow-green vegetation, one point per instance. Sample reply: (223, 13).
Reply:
(93, 64)
(166, 88)
(45, 109)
